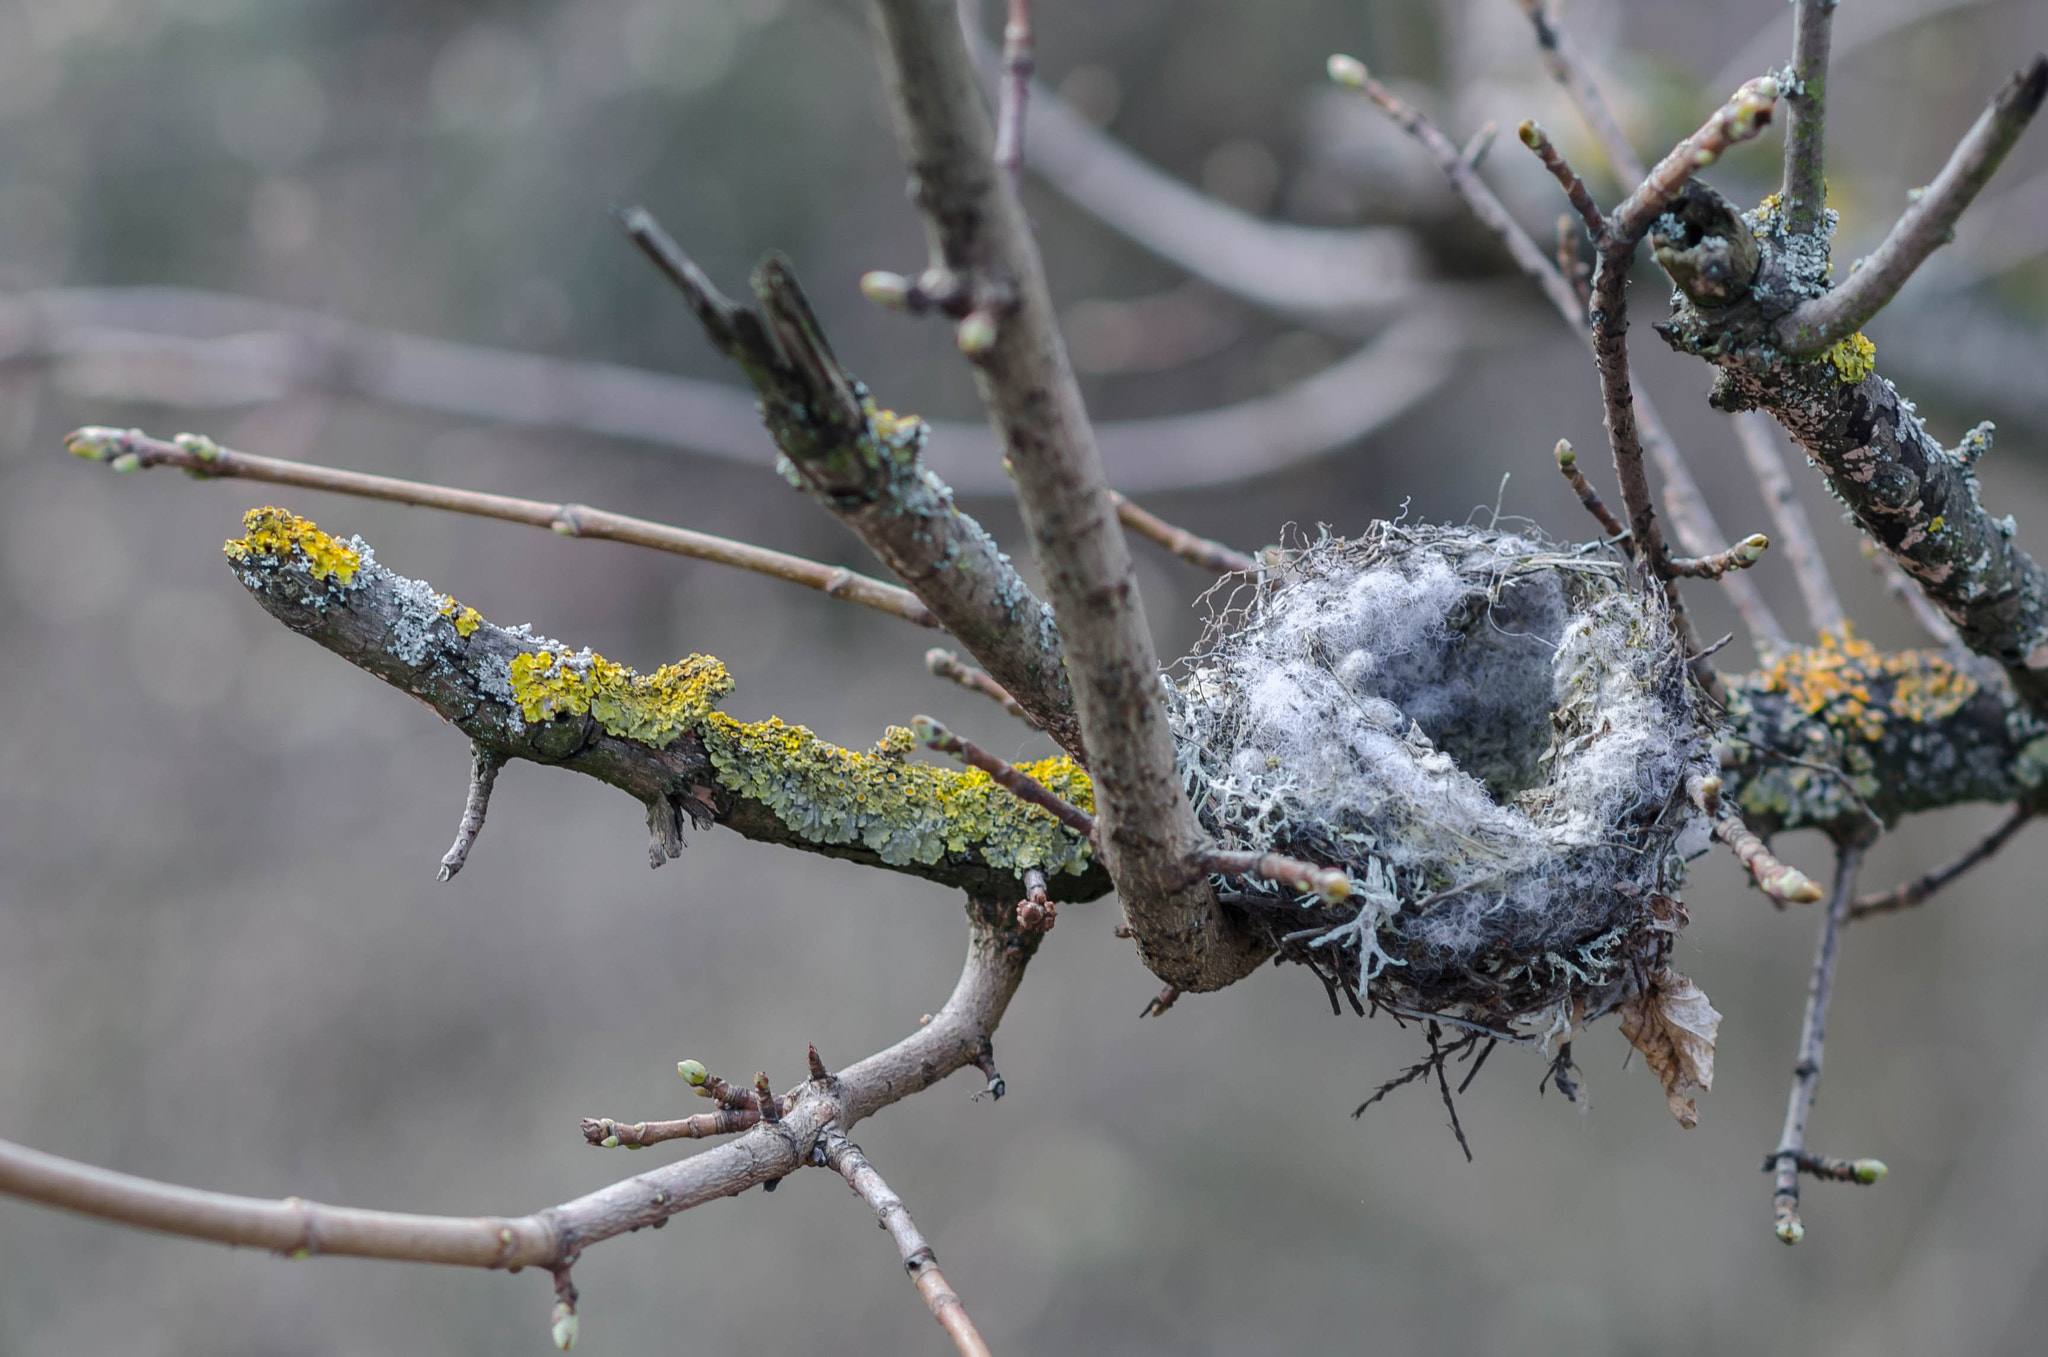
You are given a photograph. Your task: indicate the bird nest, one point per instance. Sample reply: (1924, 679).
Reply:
(1489, 732)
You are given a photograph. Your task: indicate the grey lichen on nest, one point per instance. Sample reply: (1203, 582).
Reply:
(1490, 732)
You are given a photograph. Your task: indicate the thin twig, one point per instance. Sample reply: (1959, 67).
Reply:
(1568, 463)
(1015, 90)
(1741, 556)
(1783, 883)
(1018, 783)
(1914, 892)
(1812, 1042)
(202, 457)
(844, 1157)
(483, 772)
(1804, 195)
(1829, 1169)
(947, 665)
(1740, 119)
(1492, 213)
(1758, 436)
(608, 1134)
(1925, 226)
(1575, 191)
(1561, 58)
(1329, 884)
(1196, 551)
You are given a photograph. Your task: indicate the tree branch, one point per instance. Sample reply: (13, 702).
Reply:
(861, 463)
(978, 233)
(1812, 1042)
(947, 665)
(1804, 195)
(659, 737)
(187, 347)
(1919, 890)
(201, 457)
(845, 1158)
(1200, 552)
(1301, 270)
(1925, 226)
(1568, 69)
(957, 1037)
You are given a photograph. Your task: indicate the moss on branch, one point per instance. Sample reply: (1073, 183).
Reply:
(660, 736)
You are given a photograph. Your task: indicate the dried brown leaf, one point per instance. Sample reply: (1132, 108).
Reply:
(1673, 1025)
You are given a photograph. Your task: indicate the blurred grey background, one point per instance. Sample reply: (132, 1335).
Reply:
(225, 961)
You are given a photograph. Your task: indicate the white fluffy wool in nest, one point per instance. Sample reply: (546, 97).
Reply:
(1490, 733)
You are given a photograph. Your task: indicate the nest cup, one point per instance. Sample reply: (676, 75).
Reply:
(1491, 733)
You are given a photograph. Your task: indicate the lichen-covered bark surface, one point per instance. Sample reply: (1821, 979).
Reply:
(1918, 501)
(660, 737)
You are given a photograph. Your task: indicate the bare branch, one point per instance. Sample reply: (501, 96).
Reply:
(483, 771)
(1925, 226)
(1759, 440)
(188, 347)
(1568, 463)
(1492, 213)
(845, 1158)
(955, 1038)
(1301, 270)
(947, 665)
(1196, 551)
(1812, 1042)
(608, 1134)
(1015, 91)
(1783, 883)
(1328, 884)
(1568, 69)
(1804, 196)
(1575, 191)
(1917, 891)
(131, 449)
(977, 229)
(1741, 556)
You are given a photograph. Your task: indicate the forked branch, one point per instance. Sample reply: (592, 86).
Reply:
(956, 1038)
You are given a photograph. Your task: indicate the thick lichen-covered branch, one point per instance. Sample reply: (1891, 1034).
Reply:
(1828, 737)
(861, 462)
(1917, 500)
(660, 736)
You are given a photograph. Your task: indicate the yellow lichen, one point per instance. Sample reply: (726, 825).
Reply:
(1767, 209)
(904, 812)
(464, 618)
(651, 708)
(274, 533)
(1834, 682)
(1853, 358)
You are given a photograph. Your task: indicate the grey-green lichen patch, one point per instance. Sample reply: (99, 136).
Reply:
(903, 812)
(1490, 733)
